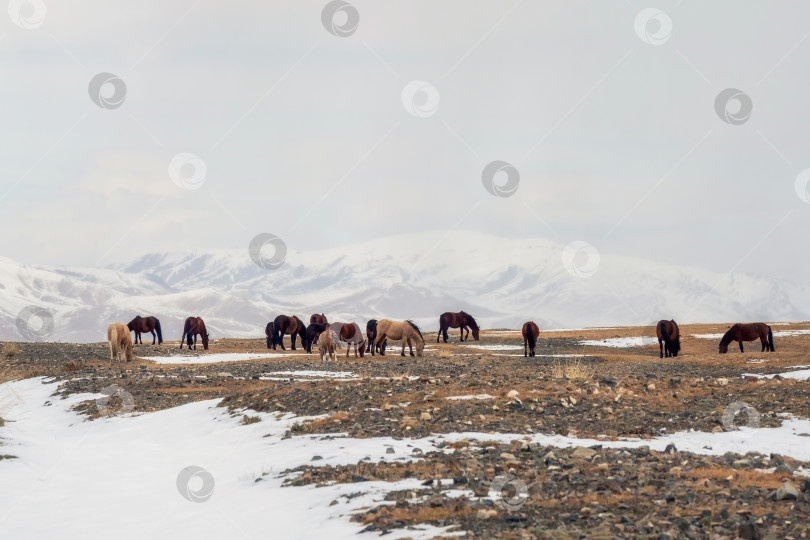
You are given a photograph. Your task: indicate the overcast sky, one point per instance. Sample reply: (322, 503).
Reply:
(606, 111)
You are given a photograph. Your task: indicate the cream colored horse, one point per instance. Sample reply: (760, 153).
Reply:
(407, 331)
(326, 344)
(120, 341)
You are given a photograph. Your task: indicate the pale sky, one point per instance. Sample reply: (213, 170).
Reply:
(305, 135)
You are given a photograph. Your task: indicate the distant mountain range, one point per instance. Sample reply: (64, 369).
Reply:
(502, 282)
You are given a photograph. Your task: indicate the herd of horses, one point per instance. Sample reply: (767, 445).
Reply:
(329, 337)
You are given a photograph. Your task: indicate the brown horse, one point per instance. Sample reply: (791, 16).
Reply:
(670, 335)
(318, 319)
(120, 341)
(326, 344)
(748, 332)
(352, 335)
(193, 327)
(407, 331)
(314, 331)
(289, 325)
(530, 333)
(145, 324)
(461, 320)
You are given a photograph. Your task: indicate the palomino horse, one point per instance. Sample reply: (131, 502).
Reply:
(371, 334)
(670, 335)
(748, 332)
(120, 341)
(314, 331)
(145, 324)
(407, 331)
(326, 344)
(193, 327)
(352, 335)
(318, 319)
(530, 333)
(292, 326)
(270, 333)
(461, 320)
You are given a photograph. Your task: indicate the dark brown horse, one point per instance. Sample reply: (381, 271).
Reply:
(371, 335)
(289, 325)
(461, 320)
(748, 332)
(670, 335)
(193, 327)
(352, 335)
(530, 333)
(270, 332)
(145, 324)
(318, 319)
(314, 332)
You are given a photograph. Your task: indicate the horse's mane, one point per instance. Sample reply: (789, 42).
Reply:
(413, 324)
(727, 337)
(470, 319)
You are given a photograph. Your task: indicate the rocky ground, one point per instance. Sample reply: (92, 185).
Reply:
(569, 388)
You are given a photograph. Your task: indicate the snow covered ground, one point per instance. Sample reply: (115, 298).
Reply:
(211, 358)
(130, 476)
(621, 342)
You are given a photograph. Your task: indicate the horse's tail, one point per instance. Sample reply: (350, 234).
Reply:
(531, 337)
(159, 333)
(662, 329)
(770, 340)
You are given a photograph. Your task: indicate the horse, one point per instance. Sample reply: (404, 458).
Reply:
(314, 331)
(318, 319)
(270, 332)
(120, 341)
(461, 320)
(145, 324)
(352, 335)
(670, 335)
(292, 326)
(326, 344)
(530, 333)
(193, 327)
(748, 332)
(371, 335)
(407, 331)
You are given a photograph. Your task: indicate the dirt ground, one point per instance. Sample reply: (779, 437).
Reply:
(569, 388)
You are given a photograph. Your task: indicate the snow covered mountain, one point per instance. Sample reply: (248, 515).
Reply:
(503, 282)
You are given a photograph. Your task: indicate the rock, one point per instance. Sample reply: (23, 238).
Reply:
(317, 458)
(583, 452)
(507, 456)
(389, 450)
(670, 449)
(722, 381)
(512, 394)
(787, 492)
(651, 387)
(748, 531)
(607, 379)
(425, 416)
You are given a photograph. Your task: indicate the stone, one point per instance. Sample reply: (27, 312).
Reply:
(787, 492)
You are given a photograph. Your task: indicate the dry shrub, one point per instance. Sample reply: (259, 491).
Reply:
(572, 369)
(10, 349)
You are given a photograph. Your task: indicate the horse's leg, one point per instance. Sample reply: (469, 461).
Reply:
(741, 346)
(154, 337)
(410, 346)
(525, 347)
(403, 346)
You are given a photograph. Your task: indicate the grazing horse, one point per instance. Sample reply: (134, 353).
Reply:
(748, 332)
(461, 320)
(120, 341)
(326, 344)
(407, 331)
(352, 335)
(270, 332)
(193, 327)
(371, 334)
(530, 333)
(318, 319)
(145, 324)
(292, 326)
(670, 335)
(314, 331)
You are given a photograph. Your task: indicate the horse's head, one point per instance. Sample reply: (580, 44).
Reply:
(723, 348)
(420, 347)
(475, 333)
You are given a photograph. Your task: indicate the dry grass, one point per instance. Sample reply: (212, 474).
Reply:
(572, 369)
(740, 477)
